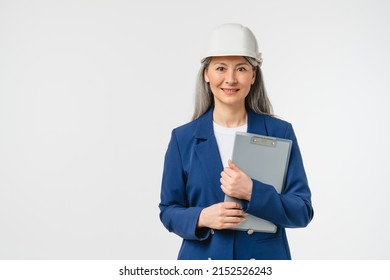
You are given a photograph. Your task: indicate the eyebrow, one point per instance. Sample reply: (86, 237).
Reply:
(239, 64)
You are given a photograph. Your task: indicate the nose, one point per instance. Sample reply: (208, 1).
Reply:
(230, 77)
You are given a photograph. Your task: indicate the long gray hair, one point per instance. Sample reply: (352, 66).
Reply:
(257, 99)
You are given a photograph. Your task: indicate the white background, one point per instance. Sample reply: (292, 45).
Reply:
(90, 91)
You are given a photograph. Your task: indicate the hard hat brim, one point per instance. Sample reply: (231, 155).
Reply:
(219, 54)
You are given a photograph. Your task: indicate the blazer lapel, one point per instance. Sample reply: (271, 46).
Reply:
(208, 154)
(256, 123)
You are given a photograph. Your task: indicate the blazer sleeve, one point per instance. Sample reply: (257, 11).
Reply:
(175, 212)
(292, 208)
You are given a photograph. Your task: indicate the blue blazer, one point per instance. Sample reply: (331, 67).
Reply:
(190, 183)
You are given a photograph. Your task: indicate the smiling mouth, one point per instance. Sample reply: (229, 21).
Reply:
(230, 90)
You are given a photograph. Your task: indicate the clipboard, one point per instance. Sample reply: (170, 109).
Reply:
(264, 159)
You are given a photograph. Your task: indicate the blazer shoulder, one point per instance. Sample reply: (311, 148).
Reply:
(274, 120)
(277, 127)
(185, 131)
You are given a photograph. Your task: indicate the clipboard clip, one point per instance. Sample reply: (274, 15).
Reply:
(270, 142)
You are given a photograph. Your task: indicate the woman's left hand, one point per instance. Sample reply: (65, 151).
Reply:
(236, 183)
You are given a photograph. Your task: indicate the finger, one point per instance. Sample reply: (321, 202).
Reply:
(225, 178)
(229, 225)
(232, 205)
(233, 220)
(233, 166)
(225, 187)
(229, 172)
(225, 190)
(235, 213)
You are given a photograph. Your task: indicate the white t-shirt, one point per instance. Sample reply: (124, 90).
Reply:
(225, 140)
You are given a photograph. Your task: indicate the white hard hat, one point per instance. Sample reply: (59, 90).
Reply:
(232, 39)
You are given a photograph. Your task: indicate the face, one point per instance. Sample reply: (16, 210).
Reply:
(230, 79)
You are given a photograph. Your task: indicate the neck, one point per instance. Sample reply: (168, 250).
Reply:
(230, 117)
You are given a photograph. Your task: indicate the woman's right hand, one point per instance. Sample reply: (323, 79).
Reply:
(221, 215)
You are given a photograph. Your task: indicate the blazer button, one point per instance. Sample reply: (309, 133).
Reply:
(250, 231)
(212, 231)
(252, 259)
(209, 258)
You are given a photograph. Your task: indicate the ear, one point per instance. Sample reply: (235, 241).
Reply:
(254, 77)
(206, 75)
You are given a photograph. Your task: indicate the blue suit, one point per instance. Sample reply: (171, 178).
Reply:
(190, 183)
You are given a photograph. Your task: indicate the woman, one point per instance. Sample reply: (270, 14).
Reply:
(198, 172)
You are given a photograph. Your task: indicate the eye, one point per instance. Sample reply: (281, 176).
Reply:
(241, 69)
(220, 68)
